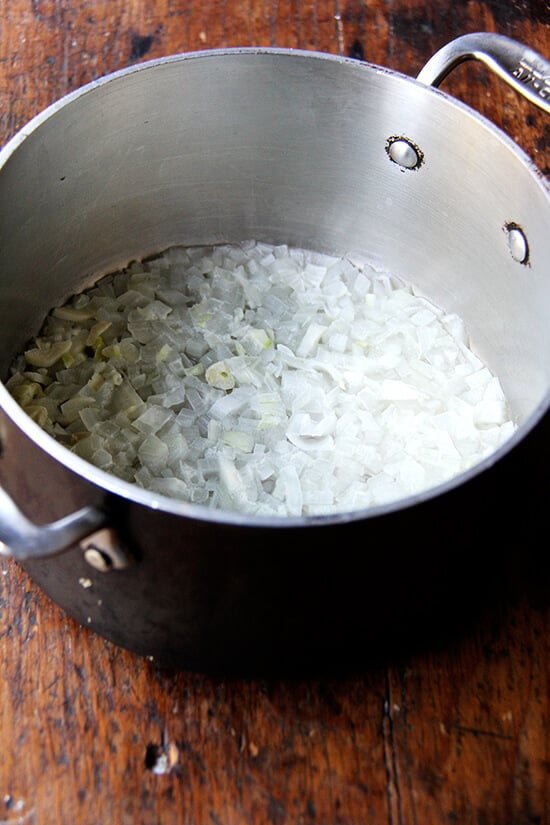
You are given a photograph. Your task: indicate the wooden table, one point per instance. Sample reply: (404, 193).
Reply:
(451, 731)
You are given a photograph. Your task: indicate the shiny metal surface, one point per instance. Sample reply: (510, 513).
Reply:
(519, 248)
(280, 146)
(527, 71)
(22, 539)
(404, 153)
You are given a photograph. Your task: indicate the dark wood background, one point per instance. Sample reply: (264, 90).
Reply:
(456, 732)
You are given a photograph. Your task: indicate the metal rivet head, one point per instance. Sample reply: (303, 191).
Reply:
(404, 152)
(517, 243)
(98, 560)
(103, 551)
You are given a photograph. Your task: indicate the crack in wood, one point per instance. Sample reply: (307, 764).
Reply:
(393, 790)
(339, 27)
(480, 732)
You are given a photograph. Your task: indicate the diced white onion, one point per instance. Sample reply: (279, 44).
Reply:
(265, 379)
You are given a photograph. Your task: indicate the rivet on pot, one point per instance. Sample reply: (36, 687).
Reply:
(404, 152)
(517, 243)
(103, 551)
(98, 560)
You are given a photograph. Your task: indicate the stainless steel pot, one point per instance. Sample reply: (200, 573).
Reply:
(319, 152)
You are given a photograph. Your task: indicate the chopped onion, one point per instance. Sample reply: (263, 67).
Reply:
(265, 379)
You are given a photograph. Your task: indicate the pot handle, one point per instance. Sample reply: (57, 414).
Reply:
(23, 540)
(525, 70)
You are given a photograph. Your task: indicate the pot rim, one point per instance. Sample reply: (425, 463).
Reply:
(131, 491)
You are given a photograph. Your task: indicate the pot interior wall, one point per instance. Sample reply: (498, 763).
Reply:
(282, 148)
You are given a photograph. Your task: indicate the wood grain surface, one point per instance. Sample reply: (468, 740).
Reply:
(454, 730)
